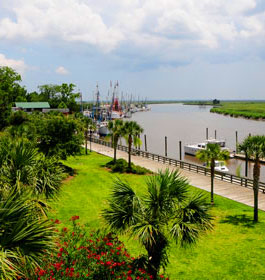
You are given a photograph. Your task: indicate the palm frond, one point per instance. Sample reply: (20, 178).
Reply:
(124, 207)
(192, 219)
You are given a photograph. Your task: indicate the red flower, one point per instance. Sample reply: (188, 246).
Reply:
(74, 218)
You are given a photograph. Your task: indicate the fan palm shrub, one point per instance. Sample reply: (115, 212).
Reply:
(212, 153)
(22, 166)
(166, 212)
(254, 146)
(25, 235)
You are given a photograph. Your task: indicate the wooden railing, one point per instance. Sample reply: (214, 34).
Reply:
(227, 177)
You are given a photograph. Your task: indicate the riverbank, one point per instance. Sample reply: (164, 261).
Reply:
(224, 253)
(249, 110)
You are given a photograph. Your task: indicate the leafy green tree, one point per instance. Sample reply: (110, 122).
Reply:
(59, 135)
(212, 153)
(58, 95)
(254, 146)
(10, 91)
(131, 132)
(116, 132)
(165, 212)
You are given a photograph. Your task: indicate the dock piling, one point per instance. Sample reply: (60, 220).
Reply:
(180, 151)
(166, 146)
(145, 143)
(215, 134)
(207, 133)
(236, 142)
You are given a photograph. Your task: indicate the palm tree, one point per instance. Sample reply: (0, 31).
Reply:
(212, 153)
(132, 130)
(165, 212)
(254, 146)
(117, 131)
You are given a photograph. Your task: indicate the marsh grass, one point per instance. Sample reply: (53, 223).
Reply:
(250, 110)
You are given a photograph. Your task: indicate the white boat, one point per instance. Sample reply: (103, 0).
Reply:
(194, 148)
(220, 166)
(116, 115)
(103, 129)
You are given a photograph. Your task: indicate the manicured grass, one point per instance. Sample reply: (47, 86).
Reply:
(252, 110)
(235, 249)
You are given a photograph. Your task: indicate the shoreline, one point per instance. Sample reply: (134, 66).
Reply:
(238, 116)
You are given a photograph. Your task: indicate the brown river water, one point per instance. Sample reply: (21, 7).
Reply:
(188, 124)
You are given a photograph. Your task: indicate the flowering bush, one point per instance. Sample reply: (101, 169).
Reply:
(93, 255)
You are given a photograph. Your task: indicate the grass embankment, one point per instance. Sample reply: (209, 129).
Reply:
(250, 110)
(235, 249)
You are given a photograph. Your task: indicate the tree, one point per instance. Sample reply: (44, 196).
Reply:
(131, 131)
(59, 135)
(10, 91)
(165, 212)
(212, 153)
(59, 95)
(254, 146)
(117, 130)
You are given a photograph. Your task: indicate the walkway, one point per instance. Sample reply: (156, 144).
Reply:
(231, 191)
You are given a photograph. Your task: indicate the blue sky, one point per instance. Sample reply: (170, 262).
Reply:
(185, 49)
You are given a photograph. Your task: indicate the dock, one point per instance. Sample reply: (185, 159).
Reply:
(226, 189)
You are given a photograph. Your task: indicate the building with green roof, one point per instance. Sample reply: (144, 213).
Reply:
(32, 106)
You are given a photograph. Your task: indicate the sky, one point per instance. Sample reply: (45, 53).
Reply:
(156, 49)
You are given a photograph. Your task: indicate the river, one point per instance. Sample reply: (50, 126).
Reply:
(188, 123)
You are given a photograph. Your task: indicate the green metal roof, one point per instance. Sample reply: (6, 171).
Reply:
(33, 105)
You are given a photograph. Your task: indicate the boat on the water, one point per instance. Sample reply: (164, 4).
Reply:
(103, 129)
(194, 148)
(220, 166)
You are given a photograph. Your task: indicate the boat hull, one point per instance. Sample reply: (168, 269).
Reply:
(103, 131)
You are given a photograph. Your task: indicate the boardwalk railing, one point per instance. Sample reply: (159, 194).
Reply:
(227, 177)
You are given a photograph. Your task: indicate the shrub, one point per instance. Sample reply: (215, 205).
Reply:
(89, 255)
(121, 166)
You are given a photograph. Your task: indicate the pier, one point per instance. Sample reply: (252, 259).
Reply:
(227, 185)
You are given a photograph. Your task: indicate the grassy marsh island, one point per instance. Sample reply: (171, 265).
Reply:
(248, 109)
(234, 249)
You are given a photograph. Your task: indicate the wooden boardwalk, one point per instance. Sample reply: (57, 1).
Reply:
(225, 189)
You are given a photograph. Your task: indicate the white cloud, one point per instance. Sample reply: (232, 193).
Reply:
(18, 65)
(61, 70)
(151, 26)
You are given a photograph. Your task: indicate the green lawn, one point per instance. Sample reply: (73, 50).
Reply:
(235, 249)
(253, 110)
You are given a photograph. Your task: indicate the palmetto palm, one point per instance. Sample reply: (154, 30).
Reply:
(165, 212)
(23, 167)
(212, 153)
(25, 235)
(117, 130)
(254, 146)
(132, 130)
